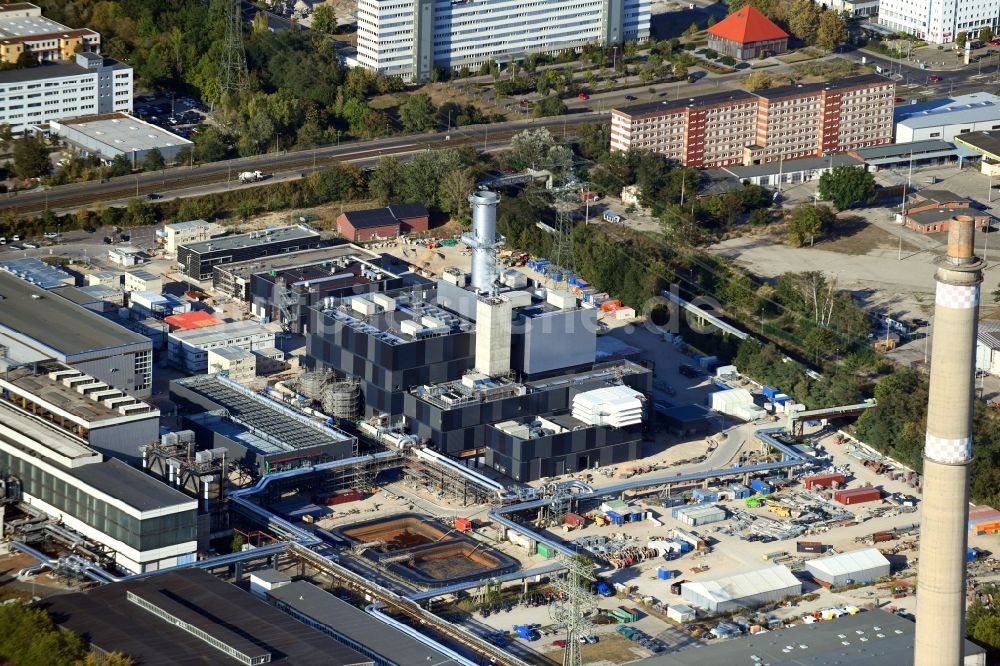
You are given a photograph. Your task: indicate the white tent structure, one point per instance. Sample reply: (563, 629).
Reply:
(615, 406)
(746, 589)
(737, 402)
(857, 566)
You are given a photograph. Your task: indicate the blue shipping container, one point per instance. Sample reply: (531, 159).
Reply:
(769, 392)
(686, 547)
(663, 574)
(705, 495)
(761, 486)
(673, 501)
(616, 518)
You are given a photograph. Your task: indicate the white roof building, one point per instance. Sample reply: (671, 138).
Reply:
(947, 118)
(111, 134)
(615, 406)
(988, 347)
(745, 589)
(859, 566)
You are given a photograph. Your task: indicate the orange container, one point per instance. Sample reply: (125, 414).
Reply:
(613, 304)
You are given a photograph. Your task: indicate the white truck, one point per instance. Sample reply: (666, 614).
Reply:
(251, 176)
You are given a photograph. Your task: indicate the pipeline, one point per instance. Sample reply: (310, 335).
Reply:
(373, 610)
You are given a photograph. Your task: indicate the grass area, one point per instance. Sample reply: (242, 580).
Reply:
(798, 56)
(612, 648)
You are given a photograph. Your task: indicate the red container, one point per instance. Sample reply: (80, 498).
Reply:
(880, 537)
(822, 480)
(463, 524)
(573, 520)
(343, 497)
(858, 495)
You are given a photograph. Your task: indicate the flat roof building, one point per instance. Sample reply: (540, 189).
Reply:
(746, 128)
(930, 152)
(356, 629)
(188, 349)
(38, 273)
(873, 637)
(191, 618)
(92, 84)
(109, 135)
(945, 119)
(41, 325)
(147, 524)
(264, 434)
(191, 231)
(24, 30)
(112, 422)
(197, 259)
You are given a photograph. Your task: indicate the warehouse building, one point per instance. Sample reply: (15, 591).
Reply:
(188, 349)
(742, 590)
(919, 154)
(109, 420)
(108, 135)
(858, 566)
(197, 259)
(388, 222)
(285, 295)
(263, 434)
(944, 119)
(36, 325)
(190, 617)
(146, 523)
(356, 629)
(37, 272)
(932, 211)
(747, 34)
(92, 84)
(191, 231)
(873, 637)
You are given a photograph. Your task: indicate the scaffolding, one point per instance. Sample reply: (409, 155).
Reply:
(439, 479)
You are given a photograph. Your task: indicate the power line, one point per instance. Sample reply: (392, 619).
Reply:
(233, 77)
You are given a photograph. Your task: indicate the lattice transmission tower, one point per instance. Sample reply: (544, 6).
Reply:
(576, 601)
(233, 77)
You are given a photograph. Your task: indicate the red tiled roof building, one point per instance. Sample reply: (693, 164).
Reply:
(747, 34)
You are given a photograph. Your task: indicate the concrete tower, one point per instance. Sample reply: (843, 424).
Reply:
(483, 239)
(948, 453)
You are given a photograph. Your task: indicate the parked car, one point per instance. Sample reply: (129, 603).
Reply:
(560, 643)
(107, 240)
(687, 371)
(921, 322)
(583, 96)
(935, 78)
(51, 234)
(3, 240)
(631, 98)
(33, 246)
(89, 229)
(16, 247)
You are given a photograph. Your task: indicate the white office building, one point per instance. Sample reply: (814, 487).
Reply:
(938, 22)
(189, 349)
(409, 38)
(38, 95)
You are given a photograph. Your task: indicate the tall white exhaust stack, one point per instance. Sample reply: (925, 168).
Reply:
(948, 453)
(483, 239)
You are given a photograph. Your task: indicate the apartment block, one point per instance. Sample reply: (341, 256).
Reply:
(37, 95)
(740, 127)
(408, 38)
(23, 29)
(938, 21)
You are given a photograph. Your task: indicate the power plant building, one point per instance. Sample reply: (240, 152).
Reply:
(37, 325)
(474, 363)
(199, 258)
(410, 38)
(147, 524)
(263, 434)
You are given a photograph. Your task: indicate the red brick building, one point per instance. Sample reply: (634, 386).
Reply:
(380, 223)
(747, 34)
(932, 211)
(739, 127)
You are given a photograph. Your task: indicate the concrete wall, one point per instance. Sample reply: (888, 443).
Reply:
(553, 341)
(123, 440)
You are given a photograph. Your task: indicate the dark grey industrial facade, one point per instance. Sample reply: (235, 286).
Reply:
(197, 259)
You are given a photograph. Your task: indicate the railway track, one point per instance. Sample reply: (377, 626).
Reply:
(176, 180)
(408, 608)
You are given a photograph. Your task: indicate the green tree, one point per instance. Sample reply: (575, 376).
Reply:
(986, 34)
(324, 20)
(960, 40)
(183, 156)
(528, 148)
(847, 186)
(758, 81)
(31, 638)
(832, 30)
(549, 106)
(806, 222)
(692, 29)
(386, 180)
(803, 20)
(210, 146)
(153, 160)
(121, 165)
(260, 26)
(236, 545)
(31, 157)
(418, 113)
(245, 209)
(593, 140)
(454, 193)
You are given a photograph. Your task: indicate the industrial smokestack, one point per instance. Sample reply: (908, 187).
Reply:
(948, 453)
(483, 239)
